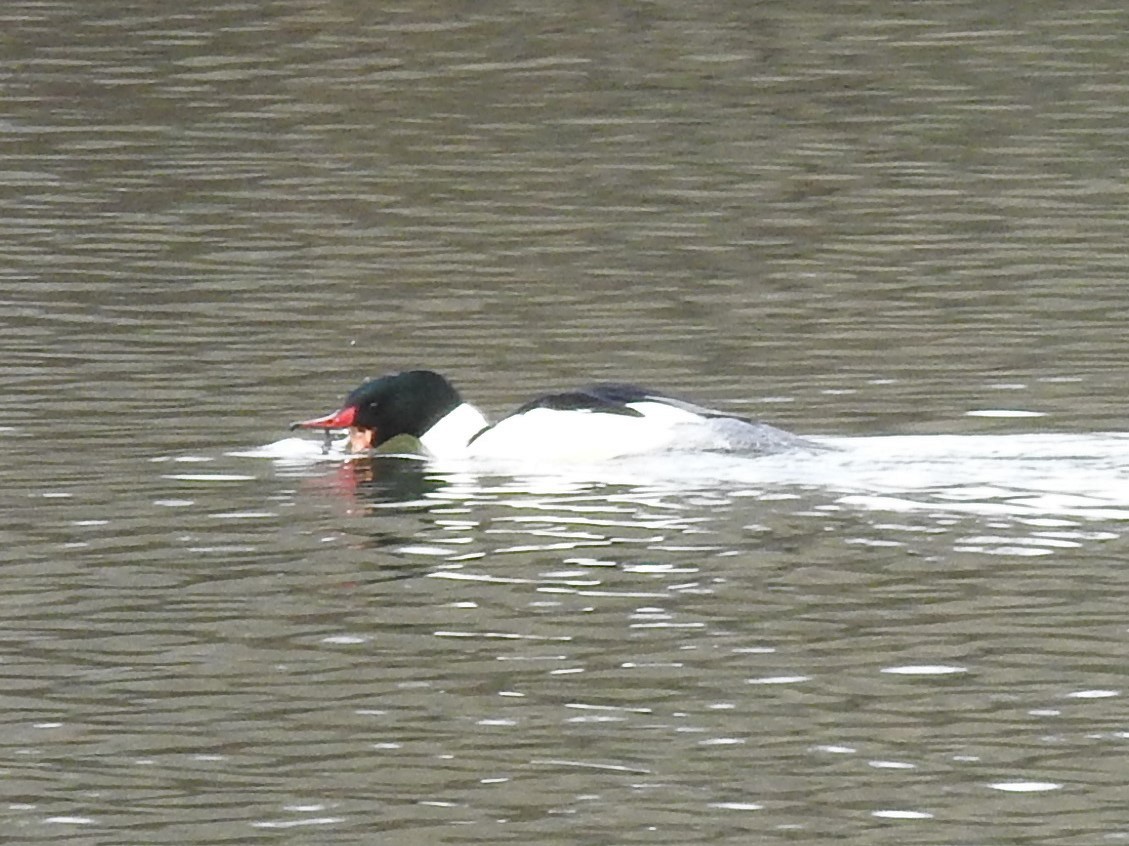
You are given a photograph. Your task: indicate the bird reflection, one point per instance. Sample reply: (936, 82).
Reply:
(388, 479)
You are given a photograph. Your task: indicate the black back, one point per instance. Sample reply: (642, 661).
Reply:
(608, 399)
(612, 398)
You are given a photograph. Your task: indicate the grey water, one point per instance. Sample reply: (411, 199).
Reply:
(898, 229)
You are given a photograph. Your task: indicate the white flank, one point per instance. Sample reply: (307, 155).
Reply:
(582, 435)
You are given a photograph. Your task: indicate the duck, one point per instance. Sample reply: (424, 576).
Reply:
(598, 422)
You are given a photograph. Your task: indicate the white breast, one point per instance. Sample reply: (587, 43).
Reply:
(448, 438)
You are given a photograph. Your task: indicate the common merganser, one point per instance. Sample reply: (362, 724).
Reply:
(594, 423)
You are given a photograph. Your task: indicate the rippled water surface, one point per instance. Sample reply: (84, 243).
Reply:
(899, 229)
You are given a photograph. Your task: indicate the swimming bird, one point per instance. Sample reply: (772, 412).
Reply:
(598, 422)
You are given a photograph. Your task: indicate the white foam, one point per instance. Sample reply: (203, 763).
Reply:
(297, 450)
(1032, 478)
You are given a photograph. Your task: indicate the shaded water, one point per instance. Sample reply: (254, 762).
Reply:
(892, 229)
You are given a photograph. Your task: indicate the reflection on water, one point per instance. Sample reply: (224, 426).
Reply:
(794, 646)
(872, 615)
(891, 226)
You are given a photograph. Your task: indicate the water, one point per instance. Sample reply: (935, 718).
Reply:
(898, 231)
